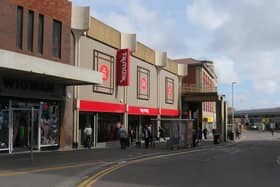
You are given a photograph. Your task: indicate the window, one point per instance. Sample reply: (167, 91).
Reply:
(143, 83)
(56, 39)
(19, 27)
(30, 30)
(41, 34)
(169, 90)
(104, 63)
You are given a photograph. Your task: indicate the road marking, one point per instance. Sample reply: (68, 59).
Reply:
(93, 179)
(54, 168)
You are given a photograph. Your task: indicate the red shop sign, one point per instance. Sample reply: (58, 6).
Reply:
(105, 70)
(123, 67)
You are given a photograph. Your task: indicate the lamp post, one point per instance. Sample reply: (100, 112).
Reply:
(232, 103)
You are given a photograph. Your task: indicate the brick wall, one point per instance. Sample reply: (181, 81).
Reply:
(191, 77)
(51, 9)
(56, 9)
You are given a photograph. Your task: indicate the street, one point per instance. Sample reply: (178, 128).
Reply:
(254, 161)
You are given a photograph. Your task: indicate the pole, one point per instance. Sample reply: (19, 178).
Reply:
(232, 101)
(32, 134)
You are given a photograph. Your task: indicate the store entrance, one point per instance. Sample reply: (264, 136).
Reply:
(23, 134)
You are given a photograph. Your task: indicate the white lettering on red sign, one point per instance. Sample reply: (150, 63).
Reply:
(144, 110)
(124, 67)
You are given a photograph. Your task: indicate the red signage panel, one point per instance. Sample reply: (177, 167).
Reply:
(93, 106)
(123, 67)
(142, 111)
(169, 112)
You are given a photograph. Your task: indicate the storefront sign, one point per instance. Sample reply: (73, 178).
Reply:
(142, 111)
(169, 112)
(94, 106)
(123, 67)
(32, 85)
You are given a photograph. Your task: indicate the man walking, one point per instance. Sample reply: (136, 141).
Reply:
(88, 133)
(123, 137)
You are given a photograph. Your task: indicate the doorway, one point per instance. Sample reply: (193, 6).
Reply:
(25, 129)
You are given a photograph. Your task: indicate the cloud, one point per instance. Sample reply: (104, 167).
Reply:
(225, 70)
(201, 12)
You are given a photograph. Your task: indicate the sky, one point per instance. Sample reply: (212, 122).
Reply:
(242, 38)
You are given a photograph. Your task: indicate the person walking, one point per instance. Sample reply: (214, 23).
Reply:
(88, 133)
(123, 137)
(194, 136)
(205, 132)
(147, 136)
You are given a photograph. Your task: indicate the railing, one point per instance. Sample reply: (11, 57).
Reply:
(187, 88)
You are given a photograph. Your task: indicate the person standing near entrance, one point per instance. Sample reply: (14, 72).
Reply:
(88, 133)
(123, 137)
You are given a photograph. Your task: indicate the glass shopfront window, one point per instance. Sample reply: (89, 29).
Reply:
(4, 124)
(49, 123)
(108, 126)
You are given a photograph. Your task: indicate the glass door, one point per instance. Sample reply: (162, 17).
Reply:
(23, 134)
(4, 129)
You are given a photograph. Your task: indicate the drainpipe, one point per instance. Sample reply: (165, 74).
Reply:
(158, 100)
(77, 37)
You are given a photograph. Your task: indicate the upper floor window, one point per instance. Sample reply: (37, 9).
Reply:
(104, 63)
(30, 30)
(169, 90)
(41, 34)
(56, 39)
(19, 27)
(143, 83)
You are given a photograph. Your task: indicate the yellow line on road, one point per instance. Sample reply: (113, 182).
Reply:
(90, 181)
(54, 168)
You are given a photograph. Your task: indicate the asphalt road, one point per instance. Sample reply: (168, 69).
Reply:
(255, 161)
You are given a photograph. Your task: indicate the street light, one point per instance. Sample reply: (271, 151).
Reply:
(232, 103)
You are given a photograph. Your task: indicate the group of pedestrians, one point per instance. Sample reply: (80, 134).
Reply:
(127, 137)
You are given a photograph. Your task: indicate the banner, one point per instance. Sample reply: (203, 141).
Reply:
(123, 67)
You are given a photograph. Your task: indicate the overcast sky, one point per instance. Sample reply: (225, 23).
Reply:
(242, 37)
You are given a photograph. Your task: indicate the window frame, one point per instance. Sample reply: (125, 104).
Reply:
(56, 38)
(19, 22)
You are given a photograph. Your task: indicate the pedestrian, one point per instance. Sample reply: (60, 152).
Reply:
(131, 135)
(199, 135)
(88, 133)
(147, 136)
(205, 132)
(161, 133)
(123, 137)
(194, 136)
(272, 125)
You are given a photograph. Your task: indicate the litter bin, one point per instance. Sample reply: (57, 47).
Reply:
(216, 138)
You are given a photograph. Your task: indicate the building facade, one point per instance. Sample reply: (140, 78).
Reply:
(36, 60)
(152, 92)
(200, 82)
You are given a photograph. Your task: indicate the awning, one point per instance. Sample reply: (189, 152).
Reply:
(21, 65)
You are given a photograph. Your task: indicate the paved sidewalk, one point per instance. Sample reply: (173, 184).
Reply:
(57, 158)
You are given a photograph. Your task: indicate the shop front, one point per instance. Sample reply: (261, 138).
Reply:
(139, 117)
(105, 120)
(26, 124)
(30, 112)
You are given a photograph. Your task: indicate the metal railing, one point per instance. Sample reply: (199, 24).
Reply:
(193, 88)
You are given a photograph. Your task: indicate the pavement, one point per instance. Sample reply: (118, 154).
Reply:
(53, 158)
